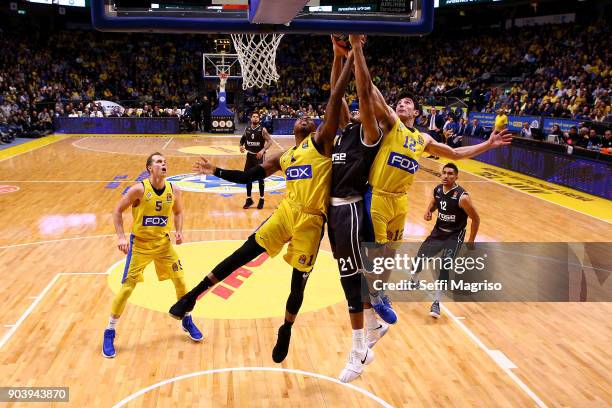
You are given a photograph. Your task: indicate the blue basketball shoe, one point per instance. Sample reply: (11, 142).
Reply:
(190, 327)
(108, 348)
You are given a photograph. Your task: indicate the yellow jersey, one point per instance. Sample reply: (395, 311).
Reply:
(308, 175)
(152, 214)
(397, 160)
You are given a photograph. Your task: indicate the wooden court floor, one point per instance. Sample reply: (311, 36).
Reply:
(57, 246)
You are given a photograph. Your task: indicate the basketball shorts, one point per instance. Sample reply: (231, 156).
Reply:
(346, 230)
(386, 214)
(303, 231)
(252, 161)
(447, 244)
(143, 252)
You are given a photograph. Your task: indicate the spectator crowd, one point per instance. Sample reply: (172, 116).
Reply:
(557, 70)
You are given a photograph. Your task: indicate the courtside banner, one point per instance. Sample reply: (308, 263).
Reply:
(485, 119)
(491, 271)
(564, 124)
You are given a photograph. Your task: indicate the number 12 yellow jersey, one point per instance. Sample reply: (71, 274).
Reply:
(397, 161)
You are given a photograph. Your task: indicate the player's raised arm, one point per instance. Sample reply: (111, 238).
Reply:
(270, 166)
(369, 95)
(327, 132)
(497, 139)
(133, 194)
(339, 54)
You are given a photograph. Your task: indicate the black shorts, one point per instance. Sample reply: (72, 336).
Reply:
(346, 233)
(252, 161)
(448, 243)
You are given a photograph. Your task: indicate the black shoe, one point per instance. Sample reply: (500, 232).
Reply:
(260, 204)
(183, 306)
(435, 310)
(248, 203)
(282, 344)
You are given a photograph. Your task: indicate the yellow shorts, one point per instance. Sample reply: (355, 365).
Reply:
(143, 252)
(387, 213)
(290, 224)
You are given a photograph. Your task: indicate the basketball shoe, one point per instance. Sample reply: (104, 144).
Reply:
(354, 367)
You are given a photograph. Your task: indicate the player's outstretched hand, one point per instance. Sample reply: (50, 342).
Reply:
(259, 154)
(357, 40)
(242, 149)
(427, 216)
(500, 138)
(123, 245)
(179, 237)
(203, 166)
(338, 50)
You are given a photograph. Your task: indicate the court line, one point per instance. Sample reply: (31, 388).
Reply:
(494, 354)
(29, 310)
(17, 150)
(145, 154)
(531, 195)
(278, 144)
(239, 369)
(76, 145)
(167, 143)
(37, 300)
(131, 181)
(51, 241)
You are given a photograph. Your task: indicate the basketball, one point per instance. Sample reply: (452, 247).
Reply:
(342, 40)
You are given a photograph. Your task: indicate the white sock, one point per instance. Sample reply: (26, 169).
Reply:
(112, 322)
(359, 339)
(375, 299)
(370, 319)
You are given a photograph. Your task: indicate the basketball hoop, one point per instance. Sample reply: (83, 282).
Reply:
(257, 56)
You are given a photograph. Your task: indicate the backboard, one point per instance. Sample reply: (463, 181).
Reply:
(383, 17)
(215, 63)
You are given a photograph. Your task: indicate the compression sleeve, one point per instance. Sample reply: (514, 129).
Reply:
(241, 177)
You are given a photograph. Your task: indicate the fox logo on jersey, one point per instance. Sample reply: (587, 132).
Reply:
(154, 221)
(403, 162)
(299, 172)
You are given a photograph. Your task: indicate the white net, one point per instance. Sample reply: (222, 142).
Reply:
(257, 56)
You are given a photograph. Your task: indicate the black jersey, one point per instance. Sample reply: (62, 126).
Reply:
(253, 139)
(451, 217)
(351, 162)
